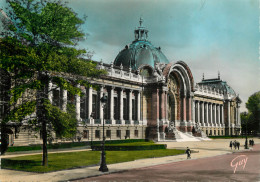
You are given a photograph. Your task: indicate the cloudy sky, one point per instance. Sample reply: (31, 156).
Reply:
(209, 35)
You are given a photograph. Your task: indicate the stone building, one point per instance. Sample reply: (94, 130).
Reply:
(150, 97)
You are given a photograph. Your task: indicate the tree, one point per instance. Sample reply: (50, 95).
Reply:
(39, 48)
(253, 106)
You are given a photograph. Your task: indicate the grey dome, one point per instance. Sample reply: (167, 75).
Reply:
(140, 52)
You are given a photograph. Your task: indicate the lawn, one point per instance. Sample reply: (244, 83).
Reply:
(61, 161)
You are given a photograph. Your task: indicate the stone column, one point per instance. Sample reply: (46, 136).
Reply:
(64, 100)
(229, 126)
(207, 113)
(238, 113)
(166, 106)
(194, 111)
(77, 98)
(219, 115)
(190, 109)
(130, 106)
(202, 113)
(121, 104)
(112, 104)
(138, 105)
(90, 89)
(222, 114)
(101, 112)
(198, 112)
(50, 92)
(211, 116)
(162, 108)
(215, 115)
(184, 107)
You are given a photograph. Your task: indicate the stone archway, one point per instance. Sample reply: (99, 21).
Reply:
(173, 103)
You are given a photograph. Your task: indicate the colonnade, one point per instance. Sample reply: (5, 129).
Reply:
(121, 112)
(208, 113)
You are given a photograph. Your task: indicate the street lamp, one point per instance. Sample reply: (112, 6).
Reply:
(92, 120)
(103, 165)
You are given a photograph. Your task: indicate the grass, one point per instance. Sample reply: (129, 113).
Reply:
(133, 144)
(61, 161)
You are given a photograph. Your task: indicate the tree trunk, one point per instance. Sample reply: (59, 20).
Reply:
(44, 144)
(41, 115)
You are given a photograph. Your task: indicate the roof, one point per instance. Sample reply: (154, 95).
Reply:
(218, 84)
(140, 51)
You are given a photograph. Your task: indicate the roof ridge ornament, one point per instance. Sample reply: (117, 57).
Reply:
(141, 33)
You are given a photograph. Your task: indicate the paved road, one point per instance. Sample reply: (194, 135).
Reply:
(217, 168)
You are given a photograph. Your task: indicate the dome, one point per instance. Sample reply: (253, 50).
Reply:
(140, 52)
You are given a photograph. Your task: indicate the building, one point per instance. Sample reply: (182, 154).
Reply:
(149, 97)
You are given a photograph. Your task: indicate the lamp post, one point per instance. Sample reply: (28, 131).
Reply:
(92, 120)
(103, 165)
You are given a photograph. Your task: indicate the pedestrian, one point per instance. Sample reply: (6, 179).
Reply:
(238, 145)
(188, 152)
(250, 142)
(230, 145)
(235, 144)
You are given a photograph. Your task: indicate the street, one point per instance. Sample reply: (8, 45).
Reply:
(239, 166)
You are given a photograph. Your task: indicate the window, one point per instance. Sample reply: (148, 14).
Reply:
(118, 133)
(86, 134)
(136, 133)
(95, 109)
(83, 107)
(56, 98)
(108, 133)
(134, 116)
(116, 110)
(214, 132)
(97, 134)
(125, 114)
(127, 133)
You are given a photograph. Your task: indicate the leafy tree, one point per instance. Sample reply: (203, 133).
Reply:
(253, 116)
(39, 48)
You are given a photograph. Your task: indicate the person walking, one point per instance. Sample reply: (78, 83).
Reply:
(188, 152)
(238, 145)
(230, 144)
(235, 144)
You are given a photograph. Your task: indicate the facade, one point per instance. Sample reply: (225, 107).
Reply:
(149, 97)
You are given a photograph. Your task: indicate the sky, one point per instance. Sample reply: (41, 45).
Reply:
(209, 35)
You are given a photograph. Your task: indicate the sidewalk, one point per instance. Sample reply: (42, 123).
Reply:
(205, 148)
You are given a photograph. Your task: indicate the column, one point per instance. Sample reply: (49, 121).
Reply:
(215, 115)
(112, 104)
(198, 111)
(166, 106)
(190, 109)
(207, 113)
(238, 113)
(193, 111)
(101, 112)
(90, 89)
(121, 104)
(138, 105)
(184, 107)
(211, 116)
(162, 108)
(219, 115)
(202, 113)
(64, 100)
(130, 105)
(77, 98)
(50, 95)
(229, 129)
(222, 114)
